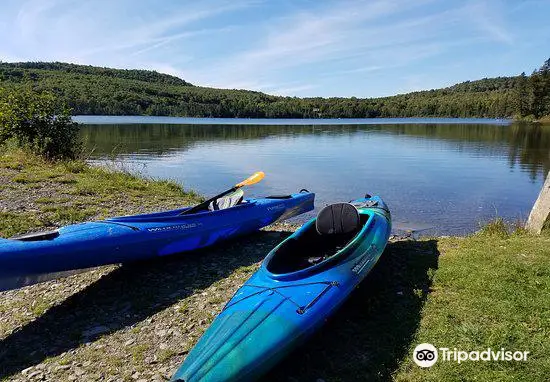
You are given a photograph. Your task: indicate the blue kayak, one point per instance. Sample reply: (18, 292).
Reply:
(25, 259)
(299, 285)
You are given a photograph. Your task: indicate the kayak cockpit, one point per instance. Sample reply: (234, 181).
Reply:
(37, 236)
(233, 202)
(319, 240)
(178, 214)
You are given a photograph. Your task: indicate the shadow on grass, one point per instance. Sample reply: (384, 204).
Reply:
(127, 296)
(370, 335)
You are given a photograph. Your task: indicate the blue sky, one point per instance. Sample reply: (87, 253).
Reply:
(289, 47)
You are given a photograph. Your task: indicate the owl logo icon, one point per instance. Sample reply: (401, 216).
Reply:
(425, 355)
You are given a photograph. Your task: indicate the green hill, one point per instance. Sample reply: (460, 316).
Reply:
(17, 70)
(105, 91)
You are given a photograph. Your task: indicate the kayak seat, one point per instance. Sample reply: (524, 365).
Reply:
(339, 218)
(227, 201)
(338, 225)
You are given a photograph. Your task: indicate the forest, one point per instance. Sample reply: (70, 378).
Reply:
(104, 91)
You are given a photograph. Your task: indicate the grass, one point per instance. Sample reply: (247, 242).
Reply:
(49, 194)
(497, 227)
(491, 290)
(12, 223)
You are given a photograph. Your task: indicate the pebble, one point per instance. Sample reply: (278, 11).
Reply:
(34, 374)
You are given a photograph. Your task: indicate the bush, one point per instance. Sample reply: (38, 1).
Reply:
(32, 120)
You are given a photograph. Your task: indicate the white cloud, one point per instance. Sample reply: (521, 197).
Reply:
(289, 89)
(488, 17)
(108, 31)
(352, 31)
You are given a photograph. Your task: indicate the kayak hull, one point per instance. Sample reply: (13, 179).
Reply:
(132, 238)
(271, 313)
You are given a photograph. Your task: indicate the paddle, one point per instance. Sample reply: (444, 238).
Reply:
(253, 179)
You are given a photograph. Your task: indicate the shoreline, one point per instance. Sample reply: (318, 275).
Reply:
(132, 119)
(139, 321)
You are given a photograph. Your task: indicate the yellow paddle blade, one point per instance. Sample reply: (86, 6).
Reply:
(253, 179)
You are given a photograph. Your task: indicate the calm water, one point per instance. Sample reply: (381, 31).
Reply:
(446, 174)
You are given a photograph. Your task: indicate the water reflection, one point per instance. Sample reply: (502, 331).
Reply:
(524, 145)
(447, 176)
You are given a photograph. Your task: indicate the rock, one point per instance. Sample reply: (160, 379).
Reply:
(34, 374)
(129, 342)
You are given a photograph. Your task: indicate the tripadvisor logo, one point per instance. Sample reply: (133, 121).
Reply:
(426, 355)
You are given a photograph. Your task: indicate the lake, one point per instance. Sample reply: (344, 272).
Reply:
(443, 175)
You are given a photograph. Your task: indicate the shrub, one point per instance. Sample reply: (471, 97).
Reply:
(34, 121)
(496, 227)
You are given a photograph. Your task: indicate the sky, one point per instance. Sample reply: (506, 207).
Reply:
(298, 48)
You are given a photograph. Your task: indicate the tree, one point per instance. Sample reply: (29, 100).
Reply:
(522, 99)
(33, 121)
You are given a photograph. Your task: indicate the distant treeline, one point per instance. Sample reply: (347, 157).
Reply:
(104, 91)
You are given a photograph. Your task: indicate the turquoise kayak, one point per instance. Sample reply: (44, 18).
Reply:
(299, 285)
